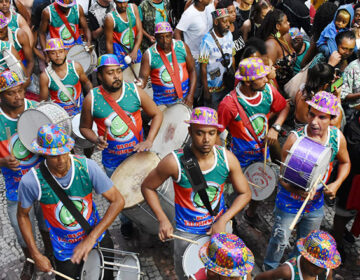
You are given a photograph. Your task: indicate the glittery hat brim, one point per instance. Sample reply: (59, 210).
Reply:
(235, 272)
(36, 148)
(201, 123)
(267, 70)
(65, 5)
(331, 264)
(56, 49)
(324, 110)
(12, 86)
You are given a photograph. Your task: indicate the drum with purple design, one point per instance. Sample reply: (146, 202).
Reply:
(306, 160)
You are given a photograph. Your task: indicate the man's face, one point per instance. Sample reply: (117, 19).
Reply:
(346, 47)
(259, 84)
(223, 25)
(13, 97)
(164, 40)
(203, 137)
(4, 6)
(121, 6)
(57, 57)
(311, 269)
(60, 163)
(318, 122)
(3, 32)
(357, 16)
(232, 13)
(205, 2)
(214, 276)
(111, 78)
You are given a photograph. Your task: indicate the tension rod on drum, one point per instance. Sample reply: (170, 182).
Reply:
(116, 251)
(315, 163)
(125, 270)
(120, 265)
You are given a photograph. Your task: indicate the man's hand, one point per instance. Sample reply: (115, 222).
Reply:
(82, 250)
(152, 39)
(101, 144)
(189, 101)
(133, 55)
(334, 58)
(143, 146)
(218, 227)
(42, 263)
(12, 163)
(88, 47)
(272, 136)
(303, 193)
(331, 190)
(165, 230)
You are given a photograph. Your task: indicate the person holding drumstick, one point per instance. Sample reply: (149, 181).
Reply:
(76, 176)
(216, 164)
(257, 99)
(322, 109)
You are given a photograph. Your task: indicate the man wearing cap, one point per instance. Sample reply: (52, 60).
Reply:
(318, 257)
(77, 176)
(63, 19)
(63, 75)
(322, 108)
(16, 160)
(171, 67)
(123, 32)
(212, 63)
(258, 100)
(192, 216)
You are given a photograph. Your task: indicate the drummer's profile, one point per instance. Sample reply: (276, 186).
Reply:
(200, 212)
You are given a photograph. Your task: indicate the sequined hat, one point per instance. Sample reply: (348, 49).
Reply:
(122, 1)
(52, 140)
(54, 44)
(251, 69)
(295, 32)
(220, 13)
(325, 102)
(4, 21)
(108, 60)
(319, 248)
(163, 27)
(204, 116)
(227, 255)
(66, 3)
(8, 80)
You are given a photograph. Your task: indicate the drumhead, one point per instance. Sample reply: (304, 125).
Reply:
(126, 273)
(91, 269)
(191, 261)
(75, 123)
(265, 180)
(321, 166)
(173, 131)
(129, 175)
(79, 54)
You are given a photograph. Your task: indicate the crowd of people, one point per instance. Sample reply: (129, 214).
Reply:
(249, 72)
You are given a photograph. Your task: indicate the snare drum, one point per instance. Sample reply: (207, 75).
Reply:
(305, 162)
(87, 60)
(81, 141)
(173, 133)
(128, 178)
(265, 181)
(32, 119)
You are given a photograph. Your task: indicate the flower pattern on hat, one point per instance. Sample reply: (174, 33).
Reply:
(204, 116)
(54, 44)
(9, 79)
(251, 69)
(163, 27)
(325, 102)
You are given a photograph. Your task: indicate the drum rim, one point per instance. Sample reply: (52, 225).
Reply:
(137, 265)
(191, 246)
(101, 256)
(92, 55)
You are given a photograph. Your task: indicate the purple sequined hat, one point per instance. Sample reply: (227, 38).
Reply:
(108, 60)
(204, 116)
(325, 102)
(8, 80)
(227, 255)
(251, 69)
(66, 3)
(163, 27)
(4, 21)
(319, 248)
(52, 140)
(54, 44)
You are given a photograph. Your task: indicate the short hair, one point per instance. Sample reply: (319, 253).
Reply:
(223, 4)
(317, 77)
(344, 34)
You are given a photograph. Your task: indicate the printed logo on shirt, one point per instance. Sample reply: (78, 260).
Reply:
(165, 76)
(119, 130)
(66, 35)
(125, 37)
(17, 148)
(63, 97)
(213, 192)
(258, 122)
(64, 216)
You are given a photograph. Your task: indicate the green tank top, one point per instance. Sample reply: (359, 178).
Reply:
(4, 45)
(294, 264)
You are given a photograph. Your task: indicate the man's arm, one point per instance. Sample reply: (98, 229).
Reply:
(83, 24)
(139, 36)
(44, 24)
(44, 86)
(145, 69)
(94, 25)
(272, 133)
(178, 34)
(282, 272)
(109, 29)
(190, 65)
(203, 69)
(25, 26)
(28, 50)
(86, 85)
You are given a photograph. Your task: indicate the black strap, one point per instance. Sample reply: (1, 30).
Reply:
(64, 198)
(217, 44)
(196, 178)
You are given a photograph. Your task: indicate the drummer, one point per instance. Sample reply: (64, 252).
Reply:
(259, 100)
(119, 123)
(322, 109)
(169, 89)
(71, 76)
(16, 160)
(77, 176)
(193, 220)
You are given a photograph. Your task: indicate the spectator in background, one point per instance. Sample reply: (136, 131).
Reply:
(258, 12)
(300, 45)
(243, 8)
(356, 25)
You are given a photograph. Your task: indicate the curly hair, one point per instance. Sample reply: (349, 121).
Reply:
(317, 77)
(268, 26)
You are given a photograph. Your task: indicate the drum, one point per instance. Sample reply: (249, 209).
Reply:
(13, 64)
(173, 133)
(87, 60)
(264, 182)
(305, 162)
(128, 178)
(93, 267)
(32, 119)
(191, 261)
(80, 140)
(127, 273)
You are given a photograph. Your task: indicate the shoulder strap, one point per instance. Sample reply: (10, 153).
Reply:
(65, 21)
(217, 43)
(10, 35)
(131, 37)
(64, 198)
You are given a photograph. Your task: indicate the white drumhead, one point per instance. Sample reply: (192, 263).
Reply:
(173, 131)
(191, 261)
(79, 54)
(265, 180)
(126, 273)
(129, 175)
(91, 269)
(75, 122)
(321, 166)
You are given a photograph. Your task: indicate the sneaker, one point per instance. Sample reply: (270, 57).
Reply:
(256, 222)
(127, 230)
(27, 271)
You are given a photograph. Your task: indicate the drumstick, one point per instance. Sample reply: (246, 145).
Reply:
(184, 239)
(265, 152)
(293, 224)
(107, 124)
(325, 186)
(254, 185)
(54, 271)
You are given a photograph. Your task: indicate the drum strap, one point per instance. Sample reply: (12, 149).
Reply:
(246, 120)
(121, 113)
(10, 36)
(65, 21)
(64, 198)
(196, 178)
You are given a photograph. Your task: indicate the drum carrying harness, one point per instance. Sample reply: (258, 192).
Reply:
(196, 178)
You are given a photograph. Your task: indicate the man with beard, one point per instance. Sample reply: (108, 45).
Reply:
(322, 108)
(215, 61)
(258, 99)
(115, 106)
(16, 160)
(70, 77)
(217, 164)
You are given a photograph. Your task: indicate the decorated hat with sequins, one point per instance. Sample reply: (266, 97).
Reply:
(204, 116)
(220, 13)
(227, 255)
(319, 248)
(108, 60)
(54, 44)
(163, 27)
(4, 21)
(251, 69)
(9, 79)
(52, 140)
(295, 32)
(325, 102)
(66, 3)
